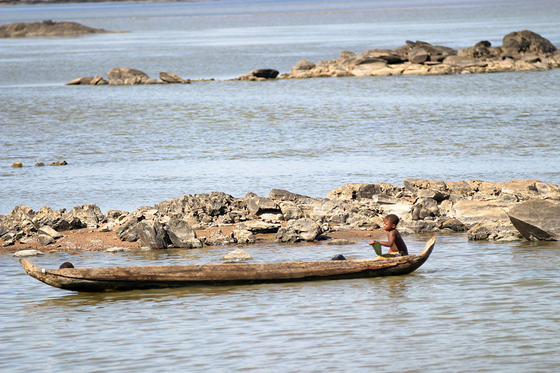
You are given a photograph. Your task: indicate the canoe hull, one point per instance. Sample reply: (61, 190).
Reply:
(227, 274)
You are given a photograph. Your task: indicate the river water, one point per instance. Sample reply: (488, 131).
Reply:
(471, 307)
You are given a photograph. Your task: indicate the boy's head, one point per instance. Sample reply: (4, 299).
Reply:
(392, 220)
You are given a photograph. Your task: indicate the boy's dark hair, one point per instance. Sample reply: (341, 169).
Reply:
(393, 219)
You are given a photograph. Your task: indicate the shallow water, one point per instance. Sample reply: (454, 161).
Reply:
(485, 307)
(472, 307)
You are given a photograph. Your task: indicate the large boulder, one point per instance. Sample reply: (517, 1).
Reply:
(347, 192)
(181, 234)
(171, 78)
(418, 55)
(260, 205)
(526, 41)
(152, 234)
(218, 238)
(387, 55)
(298, 230)
(471, 212)
(126, 76)
(259, 226)
(537, 220)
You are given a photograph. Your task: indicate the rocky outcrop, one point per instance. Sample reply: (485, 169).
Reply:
(46, 28)
(521, 51)
(170, 78)
(537, 220)
(477, 207)
(298, 231)
(127, 76)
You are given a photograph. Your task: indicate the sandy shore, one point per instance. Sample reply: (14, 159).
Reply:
(84, 240)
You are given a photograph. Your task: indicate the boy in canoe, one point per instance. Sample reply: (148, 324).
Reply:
(394, 242)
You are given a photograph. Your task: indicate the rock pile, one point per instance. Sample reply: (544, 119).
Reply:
(476, 207)
(127, 76)
(520, 51)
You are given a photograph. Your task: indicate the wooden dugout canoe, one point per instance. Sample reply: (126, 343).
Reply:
(173, 276)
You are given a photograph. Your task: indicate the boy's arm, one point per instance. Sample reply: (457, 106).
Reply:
(390, 239)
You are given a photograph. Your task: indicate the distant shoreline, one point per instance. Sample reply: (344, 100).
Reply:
(49, 2)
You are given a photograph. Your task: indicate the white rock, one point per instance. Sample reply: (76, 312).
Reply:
(236, 256)
(23, 253)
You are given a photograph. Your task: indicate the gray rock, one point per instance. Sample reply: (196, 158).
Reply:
(218, 238)
(537, 220)
(291, 211)
(45, 239)
(472, 212)
(96, 80)
(181, 234)
(86, 216)
(236, 255)
(303, 66)
(339, 241)
(347, 192)
(127, 76)
(242, 236)
(329, 211)
(418, 55)
(59, 163)
(46, 230)
(117, 249)
(266, 73)
(152, 234)
(259, 205)
(458, 61)
(298, 230)
(128, 230)
(171, 78)
(45, 28)
(284, 195)
(454, 225)
(259, 226)
(526, 41)
(423, 208)
(23, 253)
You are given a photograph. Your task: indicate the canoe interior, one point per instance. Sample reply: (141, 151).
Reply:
(226, 274)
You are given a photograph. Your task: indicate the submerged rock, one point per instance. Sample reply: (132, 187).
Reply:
(127, 76)
(236, 255)
(23, 253)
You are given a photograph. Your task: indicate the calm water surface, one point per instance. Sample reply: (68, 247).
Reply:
(472, 307)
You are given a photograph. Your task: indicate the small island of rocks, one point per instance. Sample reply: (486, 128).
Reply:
(46, 28)
(520, 51)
